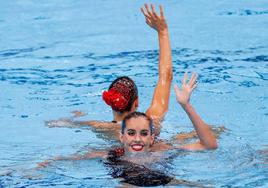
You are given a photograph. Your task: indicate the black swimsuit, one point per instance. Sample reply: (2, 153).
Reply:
(132, 173)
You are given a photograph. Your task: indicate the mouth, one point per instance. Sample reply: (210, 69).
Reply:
(137, 147)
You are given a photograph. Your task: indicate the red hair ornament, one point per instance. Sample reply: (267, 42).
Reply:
(114, 99)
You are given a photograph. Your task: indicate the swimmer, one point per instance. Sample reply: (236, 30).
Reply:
(137, 137)
(137, 128)
(122, 95)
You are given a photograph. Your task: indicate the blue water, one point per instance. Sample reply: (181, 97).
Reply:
(58, 56)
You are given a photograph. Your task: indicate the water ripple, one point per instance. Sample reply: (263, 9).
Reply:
(14, 52)
(263, 76)
(260, 58)
(214, 66)
(41, 18)
(245, 12)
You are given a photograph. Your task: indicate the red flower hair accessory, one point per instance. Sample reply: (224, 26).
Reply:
(119, 152)
(114, 99)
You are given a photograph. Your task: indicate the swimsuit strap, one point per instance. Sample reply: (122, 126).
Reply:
(119, 122)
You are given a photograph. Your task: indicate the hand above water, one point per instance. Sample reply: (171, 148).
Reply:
(155, 21)
(78, 113)
(183, 95)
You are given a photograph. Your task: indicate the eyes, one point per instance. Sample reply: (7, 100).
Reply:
(132, 132)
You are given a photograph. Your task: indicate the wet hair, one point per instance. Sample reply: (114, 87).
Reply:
(136, 115)
(121, 94)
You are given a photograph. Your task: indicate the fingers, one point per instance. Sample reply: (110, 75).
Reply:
(194, 86)
(177, 90)
(148, 11)
(43, 164)
(184, 78)
(78, 113)
(150, 14)
(193, 80)
(154, 12)
(161, 11)
(143, 12)
(149, 22)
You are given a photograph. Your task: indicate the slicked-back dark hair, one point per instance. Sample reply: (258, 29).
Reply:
(136, 115)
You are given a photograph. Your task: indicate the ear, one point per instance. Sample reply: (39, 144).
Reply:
(121, 137)
(136, 103)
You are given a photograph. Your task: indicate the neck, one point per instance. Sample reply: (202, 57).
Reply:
(119, 116)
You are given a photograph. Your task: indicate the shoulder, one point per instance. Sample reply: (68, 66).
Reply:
(161, 145)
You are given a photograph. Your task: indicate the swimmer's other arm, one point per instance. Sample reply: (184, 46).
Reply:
(95, 124)
(70, 123)
(206, 137)
(160, 101)
(99, 124)
(89, 155)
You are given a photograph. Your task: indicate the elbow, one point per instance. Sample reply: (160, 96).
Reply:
(210, 142)
(170, 74)
(212, 146)
(167, 76)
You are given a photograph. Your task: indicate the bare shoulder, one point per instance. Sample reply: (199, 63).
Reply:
(196, 147)
(96, 154)
(161, 145)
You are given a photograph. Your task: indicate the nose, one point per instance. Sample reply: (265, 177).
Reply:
(137, 137)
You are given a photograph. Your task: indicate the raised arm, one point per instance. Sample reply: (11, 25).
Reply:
(205, 135)
(160, 101)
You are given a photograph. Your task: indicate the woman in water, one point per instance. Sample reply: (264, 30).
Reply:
(134, 159)
(122, 95)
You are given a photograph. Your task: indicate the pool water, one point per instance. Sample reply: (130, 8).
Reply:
(58, 56)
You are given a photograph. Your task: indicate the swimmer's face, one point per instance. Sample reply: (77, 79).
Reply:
(137, 136)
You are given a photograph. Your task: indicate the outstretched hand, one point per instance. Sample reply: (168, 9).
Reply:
(43, 164)
(155, 21)
(78, 113)
(183, 95)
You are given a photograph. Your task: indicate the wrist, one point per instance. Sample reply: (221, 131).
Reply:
(163, 33)
(186, 106)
